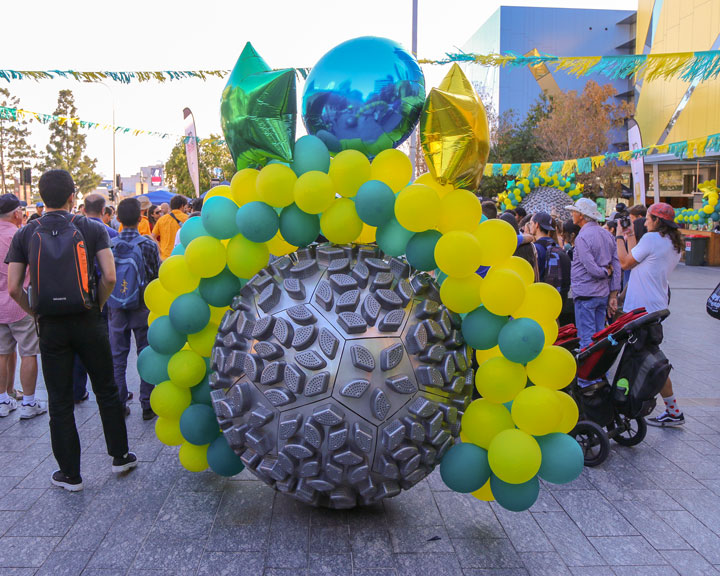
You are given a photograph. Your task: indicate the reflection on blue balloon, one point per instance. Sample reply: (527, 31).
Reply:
(365, 94)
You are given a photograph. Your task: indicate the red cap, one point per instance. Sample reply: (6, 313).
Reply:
(665, 212)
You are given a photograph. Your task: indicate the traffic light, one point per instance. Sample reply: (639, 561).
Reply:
(118, 182)
(111, 195)
(26, 176)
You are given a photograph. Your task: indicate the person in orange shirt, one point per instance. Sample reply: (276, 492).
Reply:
(166, 227)
(144, 226)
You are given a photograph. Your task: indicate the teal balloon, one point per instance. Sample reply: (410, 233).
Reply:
(220, 290)
(465, 467)
(393, 238)
(481, 328)
(521, 340)
(515, 497)
(189, 313)
(192, 228)
(440, 277)
(163, 337)
(562, 458)
(218, 217)
(257, 221)
(179, 250)
(375, 203)
(152, 366)
(421, 250)
(201, 392)
(310, 154)
(222, 460)
(198, 424)
(297, 227)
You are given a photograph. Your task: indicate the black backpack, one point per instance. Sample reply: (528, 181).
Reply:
(557, 267)
(60, 278)
(713, 303)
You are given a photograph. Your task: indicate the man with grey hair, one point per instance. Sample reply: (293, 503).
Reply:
(17, 327)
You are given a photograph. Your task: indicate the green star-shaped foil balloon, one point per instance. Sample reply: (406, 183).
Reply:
(258, 111)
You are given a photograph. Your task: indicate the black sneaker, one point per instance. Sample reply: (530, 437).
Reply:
(665, 420)
(127, 410)
(124, 463)
(61, 479)
(148, 414)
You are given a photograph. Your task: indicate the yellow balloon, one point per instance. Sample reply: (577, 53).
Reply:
(456, 254)
(168, 431)
(485, 493)
(550, 329)
(278, 246)
(176, 276)
(152, 317)
(216, 314)
(708, 209)
(392, 167)
(221, 190)
(521, 267)
(205, 256)
(499, 380)
(275, 185)
(243, 186)
(186, 368)
(542, 303)
(569, 412)
(461, 294)
(482, 355)
(169, 401)
(340, 223)
(314, 192)
(246, 258)
(158, 298)
(193, 458)
(514, 456)
(428, 180)
(554, 368)
(417, 208)
(536, 410)
(459, 210)
(349, 170)
(463, 437)
(502, 291)
(367, 236)
(498, 241)
(483, 420)
(202, 342)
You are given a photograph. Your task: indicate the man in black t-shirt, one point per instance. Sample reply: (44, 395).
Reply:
(64, 336)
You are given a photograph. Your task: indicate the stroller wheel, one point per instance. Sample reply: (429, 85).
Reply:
(627, 432)
(593, 441)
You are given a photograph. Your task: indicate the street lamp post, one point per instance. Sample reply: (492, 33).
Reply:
(112, 102)
(413, 136)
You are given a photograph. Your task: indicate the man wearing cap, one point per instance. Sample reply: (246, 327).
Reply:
(17, 327)
(651, 260)
(595, 272)
(144, 226)
(39, 209)
(553, 265)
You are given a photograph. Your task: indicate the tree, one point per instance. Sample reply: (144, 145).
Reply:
(211, 154)
(66, 149)
(15, 152)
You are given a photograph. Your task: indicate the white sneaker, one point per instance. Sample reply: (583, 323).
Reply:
(28, 411)
(7, 407)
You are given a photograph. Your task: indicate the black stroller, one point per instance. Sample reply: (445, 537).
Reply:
(616, 410)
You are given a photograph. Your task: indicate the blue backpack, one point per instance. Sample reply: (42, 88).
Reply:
(130, 274)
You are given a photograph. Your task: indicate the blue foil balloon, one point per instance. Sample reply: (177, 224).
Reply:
(365, 94)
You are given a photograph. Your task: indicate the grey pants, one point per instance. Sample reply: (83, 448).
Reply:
(120, 324)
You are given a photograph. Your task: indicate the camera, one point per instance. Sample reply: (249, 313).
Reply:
(620, 215)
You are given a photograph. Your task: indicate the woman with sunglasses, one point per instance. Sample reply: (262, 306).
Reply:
(154, 215)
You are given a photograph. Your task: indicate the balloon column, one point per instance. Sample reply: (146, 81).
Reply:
(513, 435)
(517, 190)
(708, 212)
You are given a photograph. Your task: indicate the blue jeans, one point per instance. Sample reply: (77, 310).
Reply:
(590, 317)
(121, 324)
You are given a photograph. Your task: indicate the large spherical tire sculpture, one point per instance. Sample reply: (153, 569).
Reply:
(338, 378)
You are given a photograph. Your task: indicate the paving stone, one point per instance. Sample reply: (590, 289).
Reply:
(467, 517)
(231, 564)
(703, 504)
(486, 553)
(187, 514)
(65, 563)
(329, 564)
(644, 571)
(652, 526)
(544, 564)
(436, 564)
(7, 519)
(699, 536)
(593, 514)
(420, 539)
(240, 538)
(91, 526)
(495, 572)
(523, 531)
(626, 550)
(416, 506)
(287, 547)
(572, 545)
(20, 498)
(166, 552)
(25, 552)
(591, 570)
(329, 540)
(689, 563)
(371, 549)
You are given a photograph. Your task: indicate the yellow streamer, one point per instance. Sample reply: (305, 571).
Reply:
(577, 65)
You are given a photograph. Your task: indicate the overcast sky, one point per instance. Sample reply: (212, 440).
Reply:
(208, 34)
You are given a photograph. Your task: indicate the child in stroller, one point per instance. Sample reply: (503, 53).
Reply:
(616, 410)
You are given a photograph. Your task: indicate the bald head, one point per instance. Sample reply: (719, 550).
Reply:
(94, 205)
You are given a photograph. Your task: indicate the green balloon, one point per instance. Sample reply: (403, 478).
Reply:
(163, 338)
(393, 238)
(198, 424)
(192, 228)
(258, 111)
(220, 290)
(257, 221)
(521, 340)
(421, 250)
(375, 203)
(562, 458)
(152, 366)
(297, 227)
(465, 467)
(310, 154)
(201, 392)
(189, 313)
(218, 217)
(515, 497)
(222, 460)
(481, 328)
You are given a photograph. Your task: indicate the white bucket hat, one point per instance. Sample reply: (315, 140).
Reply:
(587, 208)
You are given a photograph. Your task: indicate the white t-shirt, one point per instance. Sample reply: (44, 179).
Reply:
(648, 286)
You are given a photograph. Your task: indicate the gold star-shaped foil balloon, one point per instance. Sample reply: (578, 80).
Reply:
(258, 111)
(454, 132)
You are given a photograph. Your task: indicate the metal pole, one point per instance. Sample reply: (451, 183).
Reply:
(413, 137)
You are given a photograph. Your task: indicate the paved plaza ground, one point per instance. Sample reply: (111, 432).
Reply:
(653, 509)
